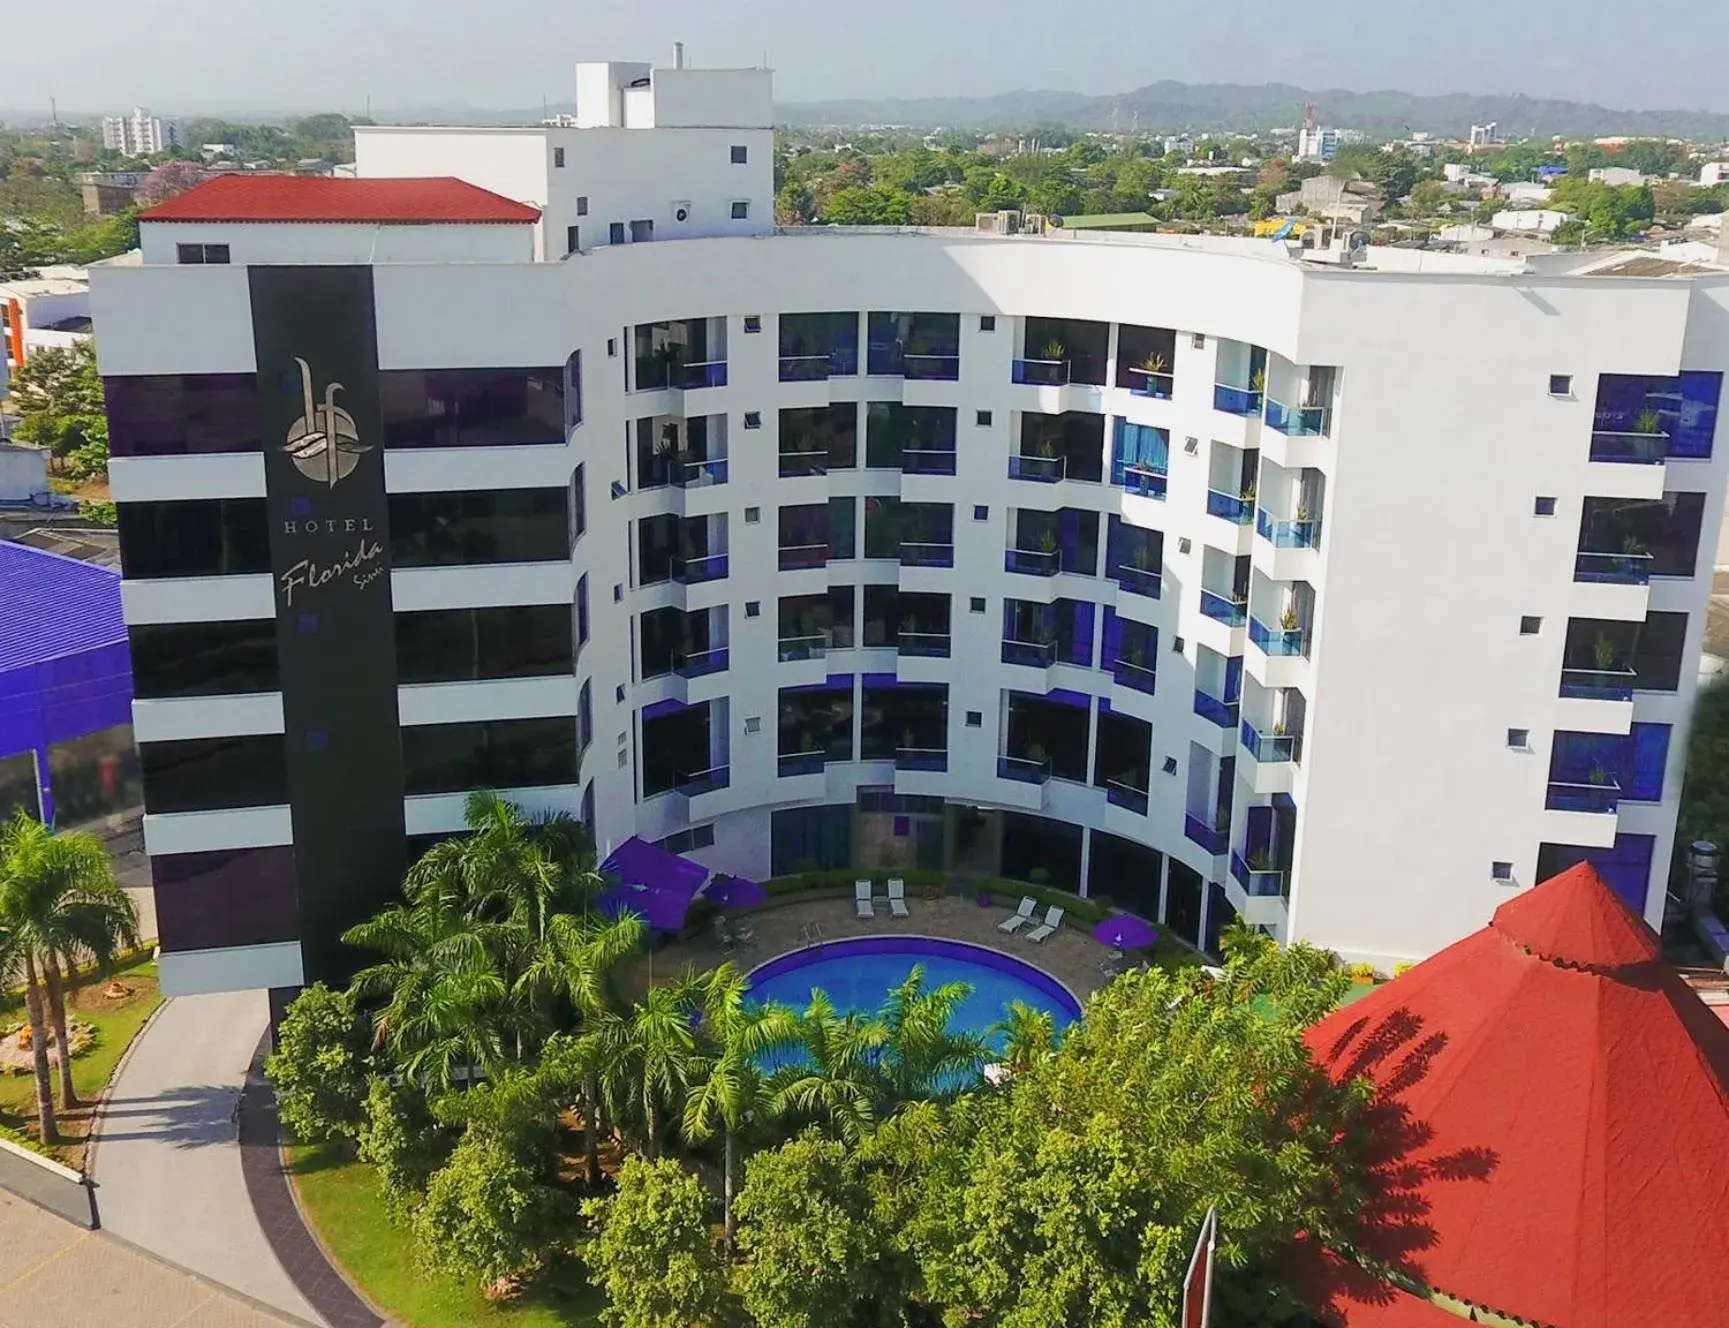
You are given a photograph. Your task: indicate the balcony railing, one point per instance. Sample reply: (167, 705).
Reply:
(918, 553)
(1130, 674)
(705, 373)
(795, 648)
(803, 463)
(700, 474)
(1297, 421)
(695, 571)
(697, 782)
(700, 664)
(893, 362)
(1041, 373)
(1639, 449)
(1599, 684)
(1024, 770)
(1270, 748)
(801, 763)
(1040, 469)
(1238, 509)
(1287, 534)
(839, 362)
(1259, 884)
(1605, 797)
(1144, 481)
(1213, 840)
(1032, 562)
(1119, 794)
(1209, 707)
(927, 461)
(934, 759)
(1146, 383)
(1621, 569)
(795, 556)
(1236, 400)
(1138, 581)
(1231, 612)
(923, 645)
(1277, 640)
(1032, 654)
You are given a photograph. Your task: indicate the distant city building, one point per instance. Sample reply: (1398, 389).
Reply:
(50, 310)
(141, 133)
(107, 192)
(211, 151)
(1313, 142)
(1618, 176)
(1355, 201)
(1526, 194)
(1714, 173)
(1485, 135)
(1180, 143)
(1530, 221)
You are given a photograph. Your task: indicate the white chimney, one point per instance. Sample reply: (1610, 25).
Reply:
(678, 55)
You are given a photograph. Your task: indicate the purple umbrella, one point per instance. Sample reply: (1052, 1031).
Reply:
(1125, 931)
(734, 892)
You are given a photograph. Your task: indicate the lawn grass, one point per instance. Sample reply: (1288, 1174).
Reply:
(341, 1199)
(116, 1022)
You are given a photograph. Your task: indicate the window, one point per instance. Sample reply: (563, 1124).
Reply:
(469, 645)
(975, 719)
(1198, 341)
(1501, 871)
(578, 503)
(1530, 625)
(198, 537)
(582, 610)
(177, 414)
(753, 419)
(558, 158)
(753, 725)
(1544, 507)
(618, 694)
(698, 836)
(1560, 385)
(740, 154)
(615, 233)
(582, 205)
(584, 717)
(1176, 645)
(984, 419)
(740, 210)
(753, 608)
(975, 604)
(1170, 765)
(1184, 544)
(988, 323)
(572, 239)
(204, 774)
(753, 323)
(200, 253)
(473, 407)
(612, 348)
(1519, 739)
(981, 512)
(618, 593)
(204, 659)
(641, 231)
(478, 526)
(752, 515)
(499, 753)
(623, 759)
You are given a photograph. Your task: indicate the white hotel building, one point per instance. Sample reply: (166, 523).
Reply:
(1221, 578)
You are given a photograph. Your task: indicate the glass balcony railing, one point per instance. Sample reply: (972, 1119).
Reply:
(1132, 675)
(1604, 797)
(706, 373)
(1231, 612)
(700, 474)
(923, 554)
(1119, 794)
(1599, 684)
(1209, 707)
(1143, 481)
(1236, 400)
(1041, 373)
(793, 557)
(1305, 534)
(796, 648)
(793, 464)
(1256, 882)
(1032, 654)
(1032, 562)
(700, 664)
(893, 362)
(839, 362)
(802, 763)
(1238, 509)
(1041, 469)
(923, 645)
(1621, 569)
(1269, 748)
(1024, 770)
(933, 759)
(1296, 421)
(1147, 383)
(1626, 447)
(695, 571)
(697, 782)
(1277, 640)
(1138, 581)
(927, 461)
(1213, 840)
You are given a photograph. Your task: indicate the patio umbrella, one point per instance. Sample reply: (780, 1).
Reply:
(734, 892)
(1125, 931)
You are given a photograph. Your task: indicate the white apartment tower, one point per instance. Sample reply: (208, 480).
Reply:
(1345, 591)
(141, 133)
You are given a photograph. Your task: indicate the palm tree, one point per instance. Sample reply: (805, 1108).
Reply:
(923, 1056)
(645, 1057)
(728, 1084)
(1029, 1035)
(62, 905)
(834, 1077)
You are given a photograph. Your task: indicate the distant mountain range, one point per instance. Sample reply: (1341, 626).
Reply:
(1229, 106)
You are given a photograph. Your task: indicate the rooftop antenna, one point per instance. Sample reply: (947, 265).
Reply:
(54, 112)
(678, 55)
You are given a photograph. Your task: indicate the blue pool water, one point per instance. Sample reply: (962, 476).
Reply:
(858, 974)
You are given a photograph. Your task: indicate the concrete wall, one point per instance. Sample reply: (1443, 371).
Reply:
(253, 242)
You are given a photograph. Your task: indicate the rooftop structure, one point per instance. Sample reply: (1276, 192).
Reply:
(141, 133)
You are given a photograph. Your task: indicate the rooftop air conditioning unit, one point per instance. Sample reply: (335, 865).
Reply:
(681, 210)
(985, 223)
(1034, 224)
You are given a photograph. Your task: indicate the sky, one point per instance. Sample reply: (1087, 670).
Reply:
(204, 56)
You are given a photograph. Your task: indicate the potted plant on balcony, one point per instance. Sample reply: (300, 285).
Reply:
(1288, 619)
(1647, 421)
(1047, 541)
(1258, 382)
(1153, 364)
(1053, 350)
(1598, 776)
(1222, 820)
(1603, 653)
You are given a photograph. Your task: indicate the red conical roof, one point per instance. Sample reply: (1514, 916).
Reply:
(1551, 1127)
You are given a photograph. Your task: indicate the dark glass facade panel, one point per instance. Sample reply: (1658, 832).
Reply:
(1183, 896)
(198, 537)
(204, 659)
(95, 779)
(472, 407)
(1036, 848)
(211, 901)
(178, 414)
(208, 774)
(500, 753)
(480, 526)
(1659, 654)
(467, 645)
(1126, 873)
(18, 785)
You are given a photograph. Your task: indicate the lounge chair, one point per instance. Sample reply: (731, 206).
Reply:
(1019, 918)
(744, 931)
(1048, 928)
(864, 907)
(897, 897)
(722, 934)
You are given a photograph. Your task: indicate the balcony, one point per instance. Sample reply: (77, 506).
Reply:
(705, 373)
(1032, 562)
(794, 464)
(1039, 469)
(797, 648)
(700, 664)
(1031, 654)
(1119, 794)
(932, 759)
(1257, 883)
(923, 645)
(1147, 383)
(802, 763)
(1629, 448)
(840, 362)
(1041, 373)
(1594, 797)
(1272, 748)
(1619, 569)
(1277, 640)
(927, 461)
(1297, 421)
(1138, 581)
(1222, 713)
(1137, 677)
(695, 571)
(1214, 841)
(1287, 534)
(700, 474)
(1143, 481)
(892, 362)
(797, 556)
(697, 782)
(1236, 400)
(920, 554)
(1238, 509)
(1024, 770)
(1231, 612)
(1599, 684)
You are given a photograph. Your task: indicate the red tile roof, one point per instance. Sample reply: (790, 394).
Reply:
(313, 198)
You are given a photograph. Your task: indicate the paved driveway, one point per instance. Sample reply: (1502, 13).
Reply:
(168, 1163)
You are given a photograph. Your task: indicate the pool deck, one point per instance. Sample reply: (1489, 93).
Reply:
(1071, 956)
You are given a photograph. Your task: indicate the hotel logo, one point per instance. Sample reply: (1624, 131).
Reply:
(323, 443)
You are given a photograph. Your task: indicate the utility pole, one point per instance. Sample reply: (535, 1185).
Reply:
(54, 112)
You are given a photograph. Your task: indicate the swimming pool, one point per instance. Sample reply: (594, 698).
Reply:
(857, 974)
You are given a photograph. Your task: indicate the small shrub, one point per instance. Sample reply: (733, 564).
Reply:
(652, 1252)
(398, 1138)
(318, 1067)
(1405, 967)
(486, 1217)
(1363, 973)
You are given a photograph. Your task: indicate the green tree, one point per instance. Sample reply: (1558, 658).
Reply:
(1705, 790)
(487, 1216)
(58, 395)
(318, 1068)
(651, 1252)
(923, 1056)
(399, 1140)
(646, 1058)
(1029, 1036)
(868, 205)
(816, 1251)
(833, 1080)
(1427, 197)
